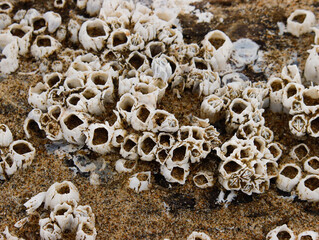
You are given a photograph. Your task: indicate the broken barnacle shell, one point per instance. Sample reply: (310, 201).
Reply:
(99, 137)
(86, 230)
(22, 152)
(298, 125)
(311, 235)
(118, 137)
(93, 34)
(175, 173)
(119, 40)
(38, 96)
(244, 52)
(313, 126)
(53, 20)
(84, 213)
(271, 168)
(44, 46)
(92, 99)
(74, 125)
(290, 93)
(124, 165)
(73, 30)
(163, 121)
(147, 146)
(127, 80)
(5, 21)
(5, 136)
(129, 147)
(300, 22)
(126, 105)
(59, 193)
(308, 188)
(290, 74)
(154, 49)
(288, 177)
(39, 24)
(63, 215)
(276, 86)
(49, 229)
(311, 165)
(299, 152)
(6, 7)
(311, 68)
(211, 108)
(203, 179)
(35, 202)
(198, 236)
(281, 230)
(23, 35)
(140, 181)
(32, 122)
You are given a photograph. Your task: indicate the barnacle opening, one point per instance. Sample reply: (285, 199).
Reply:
(127, 104)
(179, 153)
(74, 83)
(148, 145)
(142, 176)
(9, 160)
(283, 235)
(200, 65)
(129, 145)
(72, 121)
(271, 169)
(289, 172)
(230, 149)
(80, 67)
(39, 23)
(4, 6)
(301, 151)
(314, 125)
(88, 94)
(95, 29)
(143, 113)
(216, 41)
(159, 118)
(44, 42)
(300, 18)
(53, 80)
(61, 211)
(56, 112)
(178, 173)
(63, 188)
(292, 90)
(33, 128)
(314, 163)
(100, 79)
(21, 148)
(239, 107)
(100, 136)
(200, 179)
(136, 60)
(309, 100)
(162, 155)
(306, 237)
(312, 183)
(274, 150)
(276, 85)
(231, 167)
(164, 140)
(119, 38)
(156, 48)
(73, 100)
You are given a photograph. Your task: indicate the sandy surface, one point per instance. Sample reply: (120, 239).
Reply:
(168, 211)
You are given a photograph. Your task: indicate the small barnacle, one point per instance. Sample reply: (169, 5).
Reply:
(300, 22)
(288, 177)
(140, 181)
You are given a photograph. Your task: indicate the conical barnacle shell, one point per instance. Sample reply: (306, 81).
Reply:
(138, 61)
(33, 118)
(126, 81)
(52, 80)
(141, 117)
(147, 146)
(175, 173)
(179, 154)
(78, 70)
(271, 168)
(290, 93)
(10, 166)
(92, 98)
(81, 3)
(5, 21)
(311, 165)
(63, 215)
(211, 108)
(154, 48)
(99, 137)
(73, 29)
(59, 193)
(311, 67)
(145, 94)
(203, 179)
(299, 152)
(23, 35)
(308, 234)
(288, 177)
(146, 29)
(49, 230)
(93, 34)
(119, 40)
(266, 133)
(5, 136)
(170, 35)
(308, 189)
(19, 15)
(6, 7)
(298, 125)
(161, 86)
(22, 152)
(163, 121)
(312, 128)
(86, 230)
(39, 24)
(44, 45)
(297, 28)
(276, 86)
(38, 96)
(209, 84)
(126, 105)
(101, 79)
(93, 7)
(73, 84)
(124, 165)
(290, 73)
(53, 20)
(161, 68)
(140, 11)
(74, 125)
(129, 147)
(310, 99)
(140, 181)
(30, 14)
(118, 137)
(238, 113)
(274, 152)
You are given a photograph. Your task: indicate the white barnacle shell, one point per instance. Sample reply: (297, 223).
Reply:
(44, 45)
(288, 177)
(276, 86)
(138, 61)
(310, 99)
(312, 128)
(74, 125)
(93, 34)
(10, 63)
(73, 83)
(81, 3)
(22, 152)
(299, 152)
(129, 147)
(308, 234)
(99, 137)
(53, 79)
(238, 112)
(75, 102)
(169, 35)
(290, 93)
(59, 193)
(73, 29)
(126, 81)
(53, 20)
(32, 122)
(92, 99)
(124, 165)
(244, 52)
(39, 24)
(102, 80)
(59, 3)
(271, 168)
(35, 202)
(90, 60)
(298, 125)
(38, 96)
(291, 74)
(175, 173)
(161, 120)
(311, 165)
(140, 181)
(86, 231)
(146, 94)
(211, 108)
(275, 151)
(63, 215)
(198, 236)
(53, 131)
(6, 7)
(23, 35)
(165, 140)
(10, 165)
(273, 234)
(203, 179)
(300, 22)
(126, 105)
(93, 7)
(19, 15)
(218, 47)
(179, 154)
(308, 189)
(84, 213)
(119, 40)
(5, 136)
(49, 230)
(311, 67)
(5, 21)
(141, 117)
(30, 14)
(147, 146)
(154, 49)
(118, 137)
(161, 68)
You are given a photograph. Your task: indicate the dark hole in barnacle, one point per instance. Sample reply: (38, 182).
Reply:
(119, 38)
(33, 128)
(50, 227)
(274, 151)
(53, 80)
(231, 167)
(271, 169)
(159, 118)
(87, 229)
(291, 91)
(276, 86)
(127, 105)
(179, 153)
(44, 42)
(100, 136)
(74, 100)
(136, 61)
(289, 172)
(201, 65)
(128, 145)
(314, 163)
(109, 56)
(258, 144)
(216, 42)
(56, 112)
(142, 113)
(119, 139)
(184, 134)
(195, 152)
(178, 173)
(4, 6)
(164, 140)
(307, 237)
(17, 32)
(64, 189)
(205, 147)
(61, 211)
(248, 130)
(200, 180)
(72, 121)
(229, 150)
(100, 79)
(142, 177)
(314, 124)
(156, 49)
(301, 151)
(9, 161)
(309, 101)
(197, 134)
(147, 145)
(299, 18)
(95, 30)
(88, 94)
(59, 2)
(312, 183)
(244, 153)
(239, 107)
(172, 64)
(162, 154)
(21, 148)
(39, 23)
(129, 164)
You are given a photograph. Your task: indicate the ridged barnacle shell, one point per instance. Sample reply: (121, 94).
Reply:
(99, 137)
(163, 121)
(86, 230)
(138, 61)
(32, 122)
(38, 96)
(53, 20)
(39, 24)
(63, 215)
(300, 22)
(203, 179)
(175, 173)
(53, 79)
(238, 112)
(92, 98)
(23, 35)
(93, 7)
(275, 151)
(298, 125)
(49, 229)
(288, 177)
(145, 94)
(211, 108)
(44, 45)
(311, 165)
(93, 34)
(76, 102)
(84, 213)
(5, 136)
(127, 80)
(198, 236)
(118, 137)
(299, 152)
(140, 181)
(179, 154)
(273, 234)
(119, 40)
(129, 147)
(73, 30)
(147, 146)
(308, 189)
(169, 35)
(124, 165)
(30, 14)
(311, 71)
(53, 131)
(310, 99)
(10, 166)
(141, 117)
(154, 49)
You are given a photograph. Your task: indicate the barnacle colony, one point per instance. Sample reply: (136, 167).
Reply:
(107, 97)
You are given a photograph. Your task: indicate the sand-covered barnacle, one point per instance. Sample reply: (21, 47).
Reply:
(22, 152)
(308, 188)
(5, 136)
(59, 193)
(86, 230)
(129, 147)
(278, 232)
(140, 181)
(203, 179)
(288, 177)
(44, 45)
(49, 230)
(300, 22)
(298, 125)
(93, 34)
(198, 236)
(99, 137)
